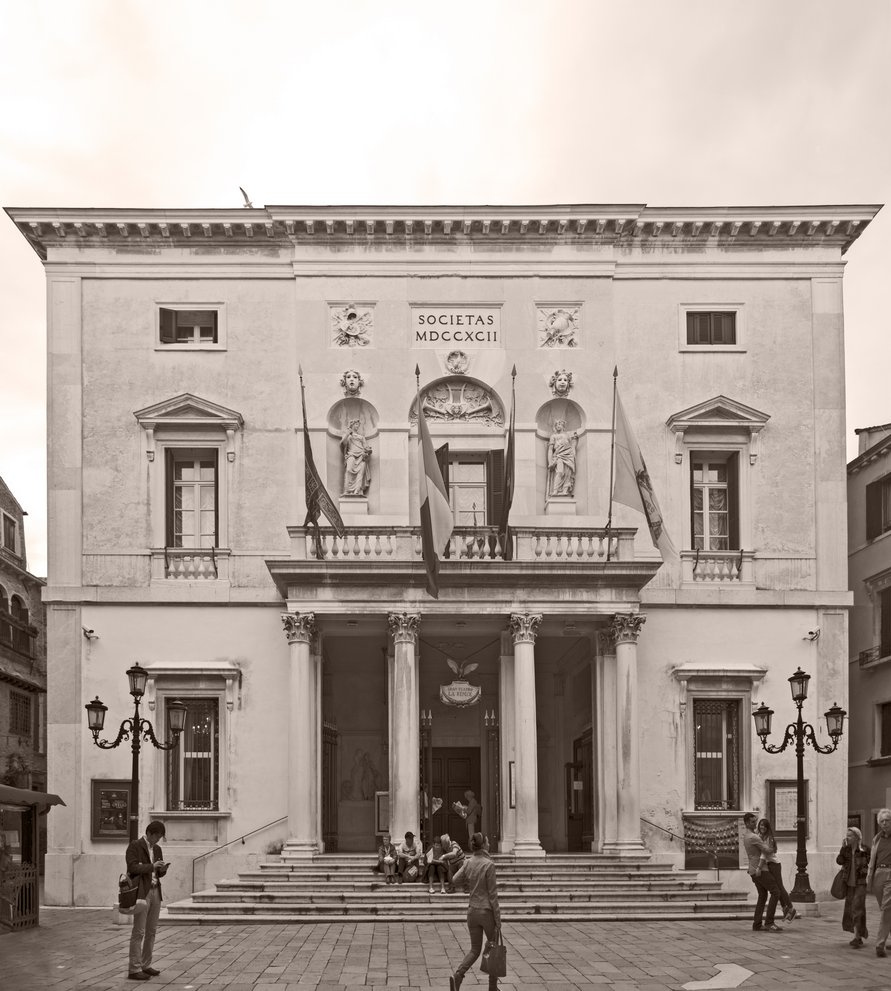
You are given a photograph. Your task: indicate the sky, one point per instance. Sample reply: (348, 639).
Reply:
(153, 103)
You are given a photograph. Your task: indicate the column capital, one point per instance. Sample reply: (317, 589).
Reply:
(524, 626)
(626, 626)
(404, 626)
(299, 627)
(606, 641)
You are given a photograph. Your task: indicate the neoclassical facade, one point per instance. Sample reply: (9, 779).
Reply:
(591, 696)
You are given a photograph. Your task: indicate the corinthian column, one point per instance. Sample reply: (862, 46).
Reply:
(524, 628)
(405, 783)
(303, 795)
(626, 630)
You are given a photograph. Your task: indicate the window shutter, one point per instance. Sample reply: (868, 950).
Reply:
(692, 459)
(216, 497)
(733, 500)
(874, 509)
(885, 623)
(168, 497)
(494, 487)
(168, 326)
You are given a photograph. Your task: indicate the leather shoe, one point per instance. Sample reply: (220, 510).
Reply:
(880, 950)
(150, 971)
(137, 976)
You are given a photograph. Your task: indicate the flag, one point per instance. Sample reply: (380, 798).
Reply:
(633, 486)
(317, 498)
(509, 473)
(437, 521)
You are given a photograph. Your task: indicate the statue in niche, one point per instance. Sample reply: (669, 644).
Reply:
(560, 383)
(351, 382)
(561, 460)
(357, 461)
(364, 779)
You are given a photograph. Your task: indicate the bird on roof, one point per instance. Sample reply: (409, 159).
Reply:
(247, 203)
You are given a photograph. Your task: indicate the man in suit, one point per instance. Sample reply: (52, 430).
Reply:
(145, 861)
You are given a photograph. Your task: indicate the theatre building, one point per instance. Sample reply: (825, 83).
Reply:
(593, 696)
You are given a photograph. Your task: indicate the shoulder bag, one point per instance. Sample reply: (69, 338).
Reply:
(127, 891)
(494, 960)
(839, 887)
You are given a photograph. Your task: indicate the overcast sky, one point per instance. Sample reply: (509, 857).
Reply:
(119, 103)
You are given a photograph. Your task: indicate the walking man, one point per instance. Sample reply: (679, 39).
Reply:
(145, 861)
(757, 850)
(878, 877)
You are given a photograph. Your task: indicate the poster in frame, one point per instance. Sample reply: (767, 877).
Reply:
(111, 809)
(782, 807)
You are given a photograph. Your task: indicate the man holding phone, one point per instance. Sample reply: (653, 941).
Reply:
(145, 861)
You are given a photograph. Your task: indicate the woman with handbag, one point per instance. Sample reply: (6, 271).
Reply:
(854, 860)
(483, 913)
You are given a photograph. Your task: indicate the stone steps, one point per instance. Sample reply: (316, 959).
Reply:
(561, 887)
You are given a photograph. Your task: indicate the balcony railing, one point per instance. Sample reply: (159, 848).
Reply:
(190, 563)
(875, 655)
(480, 543)
(718, 567)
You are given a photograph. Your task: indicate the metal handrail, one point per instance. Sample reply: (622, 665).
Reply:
(222, 846)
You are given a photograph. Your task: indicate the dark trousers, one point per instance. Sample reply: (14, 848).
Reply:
(776, 872)
(479, 921)
(766, 886)
(854, 915)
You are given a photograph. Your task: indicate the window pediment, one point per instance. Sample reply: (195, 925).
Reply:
(719, 415)
(189, 412)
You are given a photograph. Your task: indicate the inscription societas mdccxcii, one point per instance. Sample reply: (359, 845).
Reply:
(444, 326)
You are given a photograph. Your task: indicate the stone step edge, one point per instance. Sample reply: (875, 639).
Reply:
(206, 919)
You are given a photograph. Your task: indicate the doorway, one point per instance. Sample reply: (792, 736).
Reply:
(455, 770)
(579, 795)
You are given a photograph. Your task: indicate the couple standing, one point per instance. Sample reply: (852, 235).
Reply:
(766, 873)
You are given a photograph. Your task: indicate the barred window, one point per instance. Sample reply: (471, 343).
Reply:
(193, 768)
(716, 753)
(19, 714)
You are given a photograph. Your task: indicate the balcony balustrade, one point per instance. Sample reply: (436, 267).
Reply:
(875, 655)
(718, 566)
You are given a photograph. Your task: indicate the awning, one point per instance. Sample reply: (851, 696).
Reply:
(22, 796)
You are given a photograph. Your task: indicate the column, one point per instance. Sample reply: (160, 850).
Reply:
(606, 771)
(405, 780)
(626, 628)
(524, 627)
(507, 712)
(303, 796)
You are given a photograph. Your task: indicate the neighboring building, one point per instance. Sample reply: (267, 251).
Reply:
(176, 504)
(869, 565)
(22, 659)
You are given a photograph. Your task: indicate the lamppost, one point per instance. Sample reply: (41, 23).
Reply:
(427, 749)
(136, 727)
(797, 733)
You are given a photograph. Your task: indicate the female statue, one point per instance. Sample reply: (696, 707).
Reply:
(561, 460)
(357, 461)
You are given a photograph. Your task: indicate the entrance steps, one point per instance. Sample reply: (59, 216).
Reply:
(570, 887)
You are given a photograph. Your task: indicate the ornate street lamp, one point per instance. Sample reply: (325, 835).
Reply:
(135, 728)
(797, 733)
(427, 752)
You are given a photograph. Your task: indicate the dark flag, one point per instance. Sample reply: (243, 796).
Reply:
(504, 534)
(437, 521)
(317, 499)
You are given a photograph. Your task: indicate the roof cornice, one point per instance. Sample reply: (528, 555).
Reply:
(836, 225)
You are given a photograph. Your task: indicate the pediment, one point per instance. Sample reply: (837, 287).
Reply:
(189, 410)
(719, 412)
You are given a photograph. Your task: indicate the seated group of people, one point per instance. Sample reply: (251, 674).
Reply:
(408, 862)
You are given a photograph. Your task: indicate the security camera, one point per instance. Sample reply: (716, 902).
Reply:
(90, 634)
(812, 635)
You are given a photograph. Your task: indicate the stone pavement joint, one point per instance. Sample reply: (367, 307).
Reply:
(82, 950)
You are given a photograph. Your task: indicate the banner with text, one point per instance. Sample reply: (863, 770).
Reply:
(456, 326)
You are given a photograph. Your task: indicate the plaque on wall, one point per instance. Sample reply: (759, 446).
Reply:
(782, 807)
(111, 809)
(469, 326)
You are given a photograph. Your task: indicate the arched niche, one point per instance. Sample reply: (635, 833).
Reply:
(459, 399)
(340, 416)
(546, 419)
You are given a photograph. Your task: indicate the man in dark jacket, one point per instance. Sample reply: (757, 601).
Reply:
(145, 861)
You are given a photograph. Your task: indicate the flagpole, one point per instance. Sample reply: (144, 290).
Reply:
(612, 450)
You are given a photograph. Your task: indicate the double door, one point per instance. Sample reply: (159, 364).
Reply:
(455, 771)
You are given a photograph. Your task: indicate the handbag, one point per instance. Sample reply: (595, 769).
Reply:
(494, 960)
(839, 888)
(128, 888)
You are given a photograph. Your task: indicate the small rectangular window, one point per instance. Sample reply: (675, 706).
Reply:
(8, 533)
(885, 741)
(189, 326)
(193, 768)
(716, 753)
(884, 601)
(712, 328)
(19, 714)
(878, 507)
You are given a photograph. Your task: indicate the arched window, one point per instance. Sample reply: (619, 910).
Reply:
(5, 625)
(21, 638)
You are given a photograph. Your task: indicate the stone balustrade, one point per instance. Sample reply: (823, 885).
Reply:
(718, 566)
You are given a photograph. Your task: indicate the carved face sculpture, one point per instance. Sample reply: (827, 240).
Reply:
(354, 426)
(561, 383)
(559, 426)
(351, 381)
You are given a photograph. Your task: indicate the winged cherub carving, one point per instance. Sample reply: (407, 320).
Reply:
(461, 668)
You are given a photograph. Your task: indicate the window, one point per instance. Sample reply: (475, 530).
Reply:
(196, 327)
(713, 328)
(5, 625)
(885, 730)
(21, 635)
(8, 533)
(192, 504)
(193, 768)
(714, 501)
(19, 714)
(878, 508)
(884, 600)
(716, 753)
(475, 481)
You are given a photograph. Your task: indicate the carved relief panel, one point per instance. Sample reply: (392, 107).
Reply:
(352, 325)
(460, 400)
(558, 325)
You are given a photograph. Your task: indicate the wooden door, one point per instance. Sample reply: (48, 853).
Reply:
(580, 794)
(455, 770)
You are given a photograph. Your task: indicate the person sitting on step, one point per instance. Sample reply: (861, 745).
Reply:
(386, 859)
(435, 866)
(408, 858)
(452, 857)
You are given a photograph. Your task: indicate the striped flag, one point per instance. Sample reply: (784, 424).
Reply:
(317, 499)
(633, 486)
(437, 521)
(509, 475)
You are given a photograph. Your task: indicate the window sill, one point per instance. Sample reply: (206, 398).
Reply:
(712, 348)
(190, 347)
(879, 761)
(189, 814)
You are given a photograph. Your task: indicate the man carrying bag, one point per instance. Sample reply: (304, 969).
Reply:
(145, 864)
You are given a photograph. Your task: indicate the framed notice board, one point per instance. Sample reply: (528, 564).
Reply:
(111, 809)
(782, 807)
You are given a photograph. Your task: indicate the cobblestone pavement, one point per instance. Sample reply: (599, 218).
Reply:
(80, 949)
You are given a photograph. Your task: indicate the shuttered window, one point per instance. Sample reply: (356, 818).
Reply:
(878, 507)
(475, 481)
(188, 326)
(714, 328)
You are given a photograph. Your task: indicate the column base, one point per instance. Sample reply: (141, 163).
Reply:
(527, 849)
(626, 848)
(299, 849)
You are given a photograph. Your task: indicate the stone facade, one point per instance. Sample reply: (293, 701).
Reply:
(177, 340)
